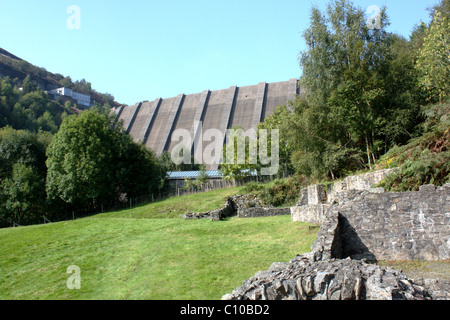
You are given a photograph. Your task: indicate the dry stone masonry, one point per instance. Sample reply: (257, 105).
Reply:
(387, 226)
(335, 279)
(242, 206)
(315, 200)
(360, 225)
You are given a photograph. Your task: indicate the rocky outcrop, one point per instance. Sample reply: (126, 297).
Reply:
(334, 279)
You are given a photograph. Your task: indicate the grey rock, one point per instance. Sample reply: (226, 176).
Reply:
(334, 279)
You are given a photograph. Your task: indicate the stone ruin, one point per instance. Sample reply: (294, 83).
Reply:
(359, 226)
(228, 210)
(242, 206)
(336, 279)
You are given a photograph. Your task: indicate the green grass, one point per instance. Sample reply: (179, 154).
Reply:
(143, 253)
(175, 206)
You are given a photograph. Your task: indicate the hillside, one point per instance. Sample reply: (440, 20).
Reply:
(16, 68)
(424, 159)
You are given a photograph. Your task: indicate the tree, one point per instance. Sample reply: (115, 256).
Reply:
(137, 169)
(239, 157)
(34, 111)
(277, 120)
(92, 160)
(434, 58)
(22, 176)
(313, 138)
(23, 194)
(29, 85)
(203, 176)
(80, 160)
(19, 146)
(354, 80)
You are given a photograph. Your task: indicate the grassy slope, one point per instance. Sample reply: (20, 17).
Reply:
(134, 254)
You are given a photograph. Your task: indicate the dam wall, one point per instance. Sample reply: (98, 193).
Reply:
(153, 122)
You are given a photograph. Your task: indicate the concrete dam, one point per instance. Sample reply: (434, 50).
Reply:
(152, 123)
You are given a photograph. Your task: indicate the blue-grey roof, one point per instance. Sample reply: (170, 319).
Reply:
(193, 174)
(213, 174)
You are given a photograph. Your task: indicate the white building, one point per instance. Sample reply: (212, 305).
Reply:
(82, 99)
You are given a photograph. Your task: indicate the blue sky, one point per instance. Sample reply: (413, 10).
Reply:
(142, 50)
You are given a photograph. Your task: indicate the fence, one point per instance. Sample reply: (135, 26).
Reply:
(174, 191)
(179, 188)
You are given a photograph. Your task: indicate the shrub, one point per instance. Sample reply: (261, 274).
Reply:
(283, 192)
(424, 160)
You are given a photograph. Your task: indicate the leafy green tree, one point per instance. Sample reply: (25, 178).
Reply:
(137, 169)
(80, 160)
(239, 155)
(7, 98)
(19, 146)
(360, 97)
(67, 82)
(23, 195)
(34, 111)
(203, 175)
(92, 160)
(434, 58)
(22, 176)
(29, 85)
(277, 120)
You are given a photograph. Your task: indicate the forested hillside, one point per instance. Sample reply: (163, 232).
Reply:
(18, 70)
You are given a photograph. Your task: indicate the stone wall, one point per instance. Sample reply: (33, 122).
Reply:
(228, 210)
(242, 206)
(315, 200)
(358, 228)
(312, 213)
(388, 226)
(335, 279)
(356, 182)
(262, 212)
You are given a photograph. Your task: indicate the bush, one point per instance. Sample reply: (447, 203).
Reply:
(283, 192)
(253, 187)
(424, 160)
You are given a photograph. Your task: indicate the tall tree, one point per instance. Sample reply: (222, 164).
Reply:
(434, 57)
(351, 90)
(80, 160)
(23, 195)
(92, 160)
(22, 176)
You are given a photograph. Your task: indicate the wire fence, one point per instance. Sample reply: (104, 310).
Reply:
(176, 189)
(179, 188)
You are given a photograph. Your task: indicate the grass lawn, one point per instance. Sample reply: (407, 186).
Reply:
(146, 252)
